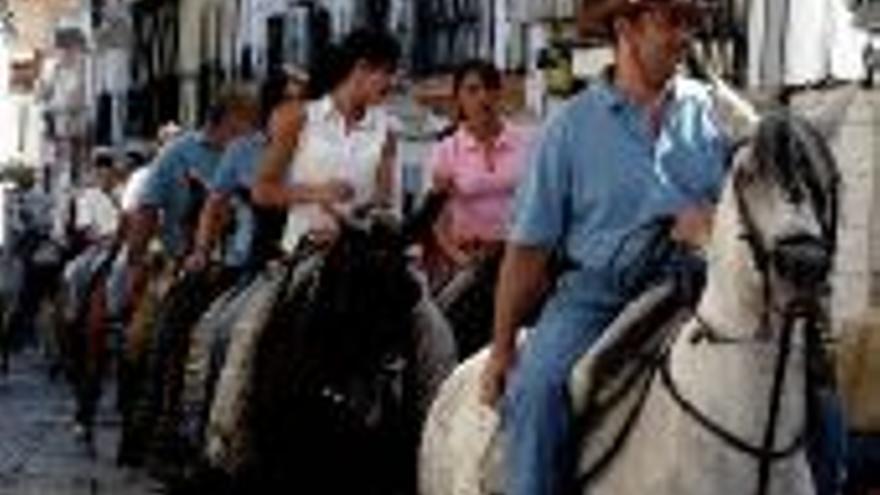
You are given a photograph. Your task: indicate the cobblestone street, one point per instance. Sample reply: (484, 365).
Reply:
(39, 453)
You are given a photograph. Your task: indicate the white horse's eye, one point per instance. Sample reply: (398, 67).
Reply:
(745, 176)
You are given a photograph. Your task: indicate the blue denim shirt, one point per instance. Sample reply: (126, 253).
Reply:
(167, 189)
(597, 176)
(236, 172)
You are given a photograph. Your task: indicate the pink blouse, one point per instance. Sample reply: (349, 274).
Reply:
(484, 181)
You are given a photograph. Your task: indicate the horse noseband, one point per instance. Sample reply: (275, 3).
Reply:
(803, 260)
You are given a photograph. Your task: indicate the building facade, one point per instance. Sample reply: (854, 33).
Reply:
(154, 93)
(111, 54)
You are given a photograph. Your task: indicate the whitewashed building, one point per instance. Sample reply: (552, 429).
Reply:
(6, 109)
(803, 42)
(112, 42)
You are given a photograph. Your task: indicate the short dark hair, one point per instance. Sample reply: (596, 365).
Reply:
(376, 48)
(103, 160)
(231, 99)
(135, 159)
(273, 92)
(485, 70)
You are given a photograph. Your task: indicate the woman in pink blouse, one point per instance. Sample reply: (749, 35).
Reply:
(479, 165)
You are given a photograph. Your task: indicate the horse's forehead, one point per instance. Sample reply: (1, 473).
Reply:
(797, 154)
(818, 151)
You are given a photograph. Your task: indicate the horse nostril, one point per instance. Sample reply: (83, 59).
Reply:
(804, 260)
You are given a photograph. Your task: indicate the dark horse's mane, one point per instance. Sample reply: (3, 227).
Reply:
(335, 350)
(800, 160)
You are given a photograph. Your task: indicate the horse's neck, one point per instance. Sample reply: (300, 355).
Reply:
(733, 383)
(733, 301)
(734, 295)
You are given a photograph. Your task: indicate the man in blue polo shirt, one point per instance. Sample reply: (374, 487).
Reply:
(637, 145)
(171, 198)
(249, 231)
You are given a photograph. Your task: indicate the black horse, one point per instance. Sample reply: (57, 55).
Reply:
(467, 301)
(334, 385)
(150, 388)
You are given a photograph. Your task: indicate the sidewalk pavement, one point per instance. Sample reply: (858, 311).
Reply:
(39, 454)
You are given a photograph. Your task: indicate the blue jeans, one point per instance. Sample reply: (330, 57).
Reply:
(827, 449)
(537, 409)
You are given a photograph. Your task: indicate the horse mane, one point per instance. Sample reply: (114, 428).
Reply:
(327, 348)
(800, 160)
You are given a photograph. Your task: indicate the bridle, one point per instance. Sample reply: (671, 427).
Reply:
(803, 314)
(801, 318)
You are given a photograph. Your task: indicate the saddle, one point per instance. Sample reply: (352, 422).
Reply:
(608, 384)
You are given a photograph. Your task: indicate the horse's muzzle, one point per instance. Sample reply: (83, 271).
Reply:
(803, 260)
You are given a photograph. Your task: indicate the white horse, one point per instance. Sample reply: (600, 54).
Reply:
(776, 211)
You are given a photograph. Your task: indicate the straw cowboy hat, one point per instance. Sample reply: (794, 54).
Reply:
(594, 16)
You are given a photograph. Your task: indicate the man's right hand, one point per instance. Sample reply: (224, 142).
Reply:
(494, 377)
(693, 226)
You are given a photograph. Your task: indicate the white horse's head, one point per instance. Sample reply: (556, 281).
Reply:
(775, 230)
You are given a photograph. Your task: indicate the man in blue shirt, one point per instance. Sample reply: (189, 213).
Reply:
(172, 195)
(635, 146)
(247, 240)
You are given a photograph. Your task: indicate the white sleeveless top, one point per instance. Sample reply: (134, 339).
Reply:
(326, 152)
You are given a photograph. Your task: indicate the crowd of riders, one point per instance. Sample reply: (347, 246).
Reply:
(159, 236)
(271, 315)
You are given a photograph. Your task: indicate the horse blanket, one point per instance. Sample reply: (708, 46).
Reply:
(228, 443)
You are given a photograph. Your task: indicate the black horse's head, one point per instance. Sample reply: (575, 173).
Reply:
(333, 362)
(367, 287)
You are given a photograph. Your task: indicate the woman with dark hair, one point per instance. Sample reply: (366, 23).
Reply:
(338, 154)
(328, 160)
(338, 151)
(479, 165)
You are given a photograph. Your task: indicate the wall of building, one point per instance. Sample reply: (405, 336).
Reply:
(193, 14)
(6, 109)
(35, 21)
(111, 72)
(856, 281)
(154, 95)
(5, 61)
(211, 44)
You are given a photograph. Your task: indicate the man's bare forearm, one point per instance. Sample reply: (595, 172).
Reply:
(142, 226)
(212, 219)
(386, 173)
(522, 283)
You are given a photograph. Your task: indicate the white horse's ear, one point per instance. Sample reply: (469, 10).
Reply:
(737, 116)
(828, 118)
